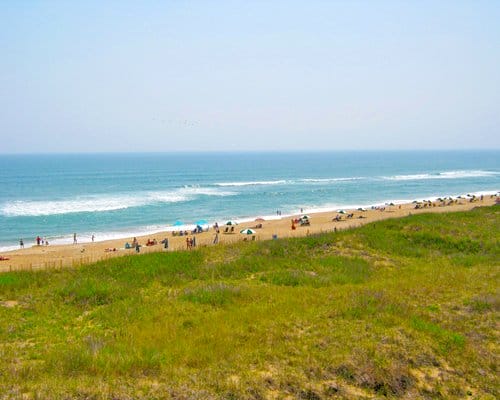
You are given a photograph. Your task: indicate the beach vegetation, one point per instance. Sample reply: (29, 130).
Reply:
(400, 308)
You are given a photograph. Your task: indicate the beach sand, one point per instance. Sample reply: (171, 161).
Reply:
(58, 256)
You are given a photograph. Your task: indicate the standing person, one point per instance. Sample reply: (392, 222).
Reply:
(74, 238)
(193, 241)
(38, 239)
(21, 243)
(93, 237)
(216, 238)
(137, 247)
(165, 243)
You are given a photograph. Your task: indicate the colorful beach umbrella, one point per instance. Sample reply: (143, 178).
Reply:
(341, 211)
(305, 217)
(247, 231)
(260, 219)
(231, 223)
(178, 223)
(202, 222)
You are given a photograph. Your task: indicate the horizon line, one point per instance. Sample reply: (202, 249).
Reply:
(273, 151)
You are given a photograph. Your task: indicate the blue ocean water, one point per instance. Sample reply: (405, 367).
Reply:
(118, 195)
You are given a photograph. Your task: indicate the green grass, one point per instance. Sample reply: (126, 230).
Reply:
(396, 309)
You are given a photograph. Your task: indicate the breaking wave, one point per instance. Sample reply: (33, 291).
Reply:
(101, 203)
(443, 175)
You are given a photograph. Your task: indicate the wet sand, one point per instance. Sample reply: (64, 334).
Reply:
(58, 256)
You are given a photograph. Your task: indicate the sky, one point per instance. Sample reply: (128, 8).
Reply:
(125, 76)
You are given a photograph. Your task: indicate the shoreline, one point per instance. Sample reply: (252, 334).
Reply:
(68, 255)
(143, 231)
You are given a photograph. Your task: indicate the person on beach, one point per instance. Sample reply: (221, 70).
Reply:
(38, 240)
(165, 243)
(216, 238)
(21, 243)
(74, 238)
(93, 237)
(137, 247)
(193, 241)
(134, 242)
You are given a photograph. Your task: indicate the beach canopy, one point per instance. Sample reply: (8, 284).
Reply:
(231, 222)
(178, 223)
(247, 231)
(202, 222)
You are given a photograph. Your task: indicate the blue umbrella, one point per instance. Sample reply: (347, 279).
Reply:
(178, 223)
(202, 222)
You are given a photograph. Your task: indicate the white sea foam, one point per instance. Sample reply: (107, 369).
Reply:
(96, 203)
(443, 175)
(253, 183)
(328, 180)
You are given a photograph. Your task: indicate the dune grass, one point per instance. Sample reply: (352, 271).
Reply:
(398, 308)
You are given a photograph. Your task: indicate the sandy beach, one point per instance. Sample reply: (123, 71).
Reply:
(58, 256)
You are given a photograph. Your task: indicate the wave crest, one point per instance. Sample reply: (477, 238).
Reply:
(96, 203)
(443, 175)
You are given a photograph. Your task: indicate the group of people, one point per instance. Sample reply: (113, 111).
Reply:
(151, 242)
(42, 241)
(39, 242)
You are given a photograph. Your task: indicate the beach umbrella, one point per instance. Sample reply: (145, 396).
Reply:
(260, 220)
(178, 223)
(247, 231)
(231, 223)
(341, 211)
(361, 209)
(305, 217)
(201, 222)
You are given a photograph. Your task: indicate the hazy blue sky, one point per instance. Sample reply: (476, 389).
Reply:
(248, 75)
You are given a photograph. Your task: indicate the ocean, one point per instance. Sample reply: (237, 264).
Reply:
(122, 195)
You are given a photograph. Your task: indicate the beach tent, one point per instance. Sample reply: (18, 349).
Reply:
(247, 231)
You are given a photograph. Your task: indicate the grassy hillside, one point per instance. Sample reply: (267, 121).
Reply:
(399, 308)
